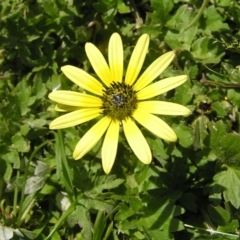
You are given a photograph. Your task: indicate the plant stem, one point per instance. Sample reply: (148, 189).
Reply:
(205, 2)
(211, 231)
(25, 179)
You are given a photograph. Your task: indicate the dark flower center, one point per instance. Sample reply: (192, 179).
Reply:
(119, 101)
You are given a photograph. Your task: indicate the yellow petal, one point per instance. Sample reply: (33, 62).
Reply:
(89, 140)
(82, 79)
(65, 108)
(109, 148)
(155, 125)
(137, 141)
(115, 57)
(154, 70)
(75, 99)
(74, 118)
(137, 59)
(160, 87)
(163, 108)
(98, 63)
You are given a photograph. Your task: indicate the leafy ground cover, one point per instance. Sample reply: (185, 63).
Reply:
(191, 188)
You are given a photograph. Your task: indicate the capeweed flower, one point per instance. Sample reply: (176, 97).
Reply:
(118, 100)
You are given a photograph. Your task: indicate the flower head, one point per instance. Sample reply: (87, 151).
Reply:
(118, 101)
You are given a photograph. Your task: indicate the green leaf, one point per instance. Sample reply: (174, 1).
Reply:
(28, 234)
(223, 3)
(19, 143)
(213, 21)
(228, 150)
(161, 9)
(104, 5)
(217, 131)
(181, 18)
(159, 214)
(56, 82)
(39, 88)
(157, 148)
(183, 94)
(38, 123)
(24, 98)
(234, 96)
(8, 172)
(61, 220)
(50, 8)
(98, 204)
(6, 233)
(63, 171)
(185, 134)
(188, 201)
(219, 215)
(81, 216)
(218, 107)
(12, 157)
(200, 131)
(124, 212)
(62, 201)
(175, 37)
(41, 169)
(206, 50)
(229, 227)
(123, 8)
(216, 236)
(25, 128)
(82, 34)
(99, 226)
(110, 183)
(28, 201)
(230, 180)
(33, 184)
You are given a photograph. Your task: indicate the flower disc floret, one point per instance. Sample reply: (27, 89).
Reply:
(119, 101)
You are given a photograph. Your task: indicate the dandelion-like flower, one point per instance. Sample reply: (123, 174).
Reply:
(118, 101)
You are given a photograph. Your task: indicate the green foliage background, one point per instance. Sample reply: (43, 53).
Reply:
(190, 190)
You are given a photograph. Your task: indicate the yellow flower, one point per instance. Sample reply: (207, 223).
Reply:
(118, 101)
